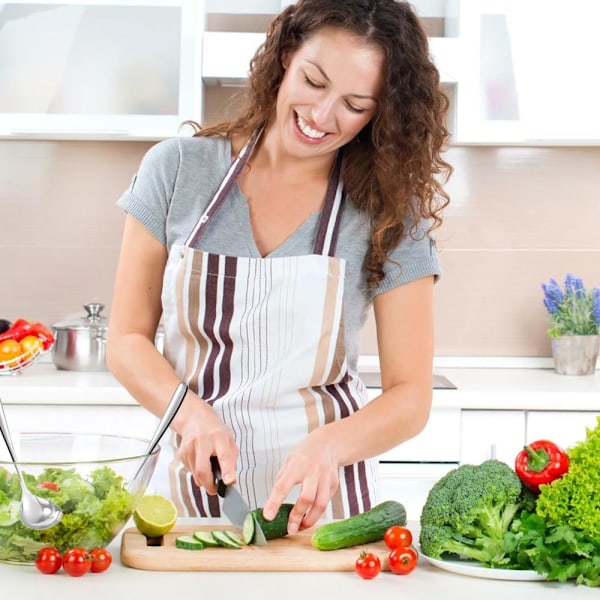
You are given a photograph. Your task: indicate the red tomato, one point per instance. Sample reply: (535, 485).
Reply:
(48, 485)
(48, 560)
(367, 565)
(77, 562)
(397, 537)
(101, 560)
(402, 560)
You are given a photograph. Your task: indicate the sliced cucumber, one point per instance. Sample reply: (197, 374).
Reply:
(248, 528)
(207, 538)
(235, 537)
(224, 540)
(188, 542)
(9, 513)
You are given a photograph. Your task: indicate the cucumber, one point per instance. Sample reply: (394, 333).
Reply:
(276, 528)
(366, 527)
(188, 542)
(234, 537)
(207, 538)
(248, 528)
(225, 540)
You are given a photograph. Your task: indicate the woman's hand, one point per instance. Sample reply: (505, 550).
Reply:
(314, 466)
(203, 435)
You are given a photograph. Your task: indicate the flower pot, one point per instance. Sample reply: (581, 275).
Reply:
(575, 354)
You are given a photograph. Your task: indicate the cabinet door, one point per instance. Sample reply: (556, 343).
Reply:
(438, 442)
(133, 421)
(563, 428)
(409, 483)
(491, 434)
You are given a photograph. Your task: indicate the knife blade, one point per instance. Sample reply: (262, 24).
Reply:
(234, 506)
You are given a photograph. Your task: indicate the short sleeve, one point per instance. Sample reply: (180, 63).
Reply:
(415, 257)
(149, 195)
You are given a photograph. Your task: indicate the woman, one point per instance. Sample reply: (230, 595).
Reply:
(263, 267)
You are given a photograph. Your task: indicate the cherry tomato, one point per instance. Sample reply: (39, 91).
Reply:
(101, 560)
(77, 562)
(367, 565)
(402, 560)
(397, 537)
(48, 485)
(48, 560)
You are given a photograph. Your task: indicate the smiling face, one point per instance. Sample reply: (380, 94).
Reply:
(328, 93)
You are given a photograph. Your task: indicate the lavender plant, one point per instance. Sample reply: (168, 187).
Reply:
(574, 310)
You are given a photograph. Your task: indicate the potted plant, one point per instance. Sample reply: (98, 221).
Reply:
(574, 316)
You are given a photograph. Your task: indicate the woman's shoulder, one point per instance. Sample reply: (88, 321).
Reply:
(184, 147)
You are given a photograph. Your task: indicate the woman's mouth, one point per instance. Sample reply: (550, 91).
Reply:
(307, 130)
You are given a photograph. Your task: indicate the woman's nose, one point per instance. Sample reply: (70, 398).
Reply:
(323, 111)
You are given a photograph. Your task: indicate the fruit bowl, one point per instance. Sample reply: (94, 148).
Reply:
(97, 481)
(19, 363)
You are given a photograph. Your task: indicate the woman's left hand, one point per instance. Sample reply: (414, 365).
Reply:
(313, 465)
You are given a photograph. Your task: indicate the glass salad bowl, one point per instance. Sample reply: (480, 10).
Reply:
(95, 479)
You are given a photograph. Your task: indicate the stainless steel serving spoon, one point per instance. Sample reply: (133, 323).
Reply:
(170, 412)
(34, 512)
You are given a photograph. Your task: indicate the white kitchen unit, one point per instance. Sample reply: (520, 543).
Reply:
(491, 434)
(563, 428)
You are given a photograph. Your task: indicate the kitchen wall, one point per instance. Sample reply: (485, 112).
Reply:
(519, 215)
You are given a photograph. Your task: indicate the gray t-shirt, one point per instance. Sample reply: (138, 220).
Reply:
(177, 179)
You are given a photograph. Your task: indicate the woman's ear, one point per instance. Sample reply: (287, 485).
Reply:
(285, 60)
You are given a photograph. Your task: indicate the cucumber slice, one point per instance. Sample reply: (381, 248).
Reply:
(234, 537)
(188, 542)
(248, 528)
(225, 541)
(9, 513)
(207, 538)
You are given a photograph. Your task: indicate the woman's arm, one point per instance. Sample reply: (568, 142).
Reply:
(137, 364)
(404, 321)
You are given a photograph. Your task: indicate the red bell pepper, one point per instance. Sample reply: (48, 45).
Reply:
(541, 462)
(21, 328)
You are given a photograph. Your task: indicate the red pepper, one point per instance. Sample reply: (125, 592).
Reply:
(541, 462)
(19, 329)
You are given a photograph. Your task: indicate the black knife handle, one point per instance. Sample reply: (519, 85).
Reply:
(216, 469)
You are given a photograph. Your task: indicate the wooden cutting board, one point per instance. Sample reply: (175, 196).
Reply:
(291, 553)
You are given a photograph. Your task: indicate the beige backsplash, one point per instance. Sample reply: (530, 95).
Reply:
(519, 215)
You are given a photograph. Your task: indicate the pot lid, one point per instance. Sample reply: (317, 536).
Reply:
(93, 320)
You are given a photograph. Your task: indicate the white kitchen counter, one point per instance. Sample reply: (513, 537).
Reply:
(425, 583)
(478, 388)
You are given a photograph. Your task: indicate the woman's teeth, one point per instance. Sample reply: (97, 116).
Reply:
(307, 130)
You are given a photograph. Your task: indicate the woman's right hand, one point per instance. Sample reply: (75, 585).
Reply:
(203, 435)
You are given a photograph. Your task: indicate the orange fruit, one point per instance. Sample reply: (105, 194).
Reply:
(9, 350)
(31, 345)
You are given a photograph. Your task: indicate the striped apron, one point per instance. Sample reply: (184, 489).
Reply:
(262, 341)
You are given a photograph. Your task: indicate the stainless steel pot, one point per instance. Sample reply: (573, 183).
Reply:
(80, 344)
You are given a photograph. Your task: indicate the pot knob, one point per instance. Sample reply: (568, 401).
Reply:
(93, 311)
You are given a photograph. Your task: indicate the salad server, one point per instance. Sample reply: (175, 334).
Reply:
(34, 512)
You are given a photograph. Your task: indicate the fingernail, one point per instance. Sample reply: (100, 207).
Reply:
(268, 514)
(228, 479)
(293, 527)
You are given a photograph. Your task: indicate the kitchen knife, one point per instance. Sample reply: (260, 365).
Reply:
(234, 506)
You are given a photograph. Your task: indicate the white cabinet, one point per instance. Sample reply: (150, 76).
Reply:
(563, 428)
(491, 434)
(95, 70)
(131, 420)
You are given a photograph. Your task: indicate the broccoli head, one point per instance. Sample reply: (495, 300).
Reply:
(468, 512)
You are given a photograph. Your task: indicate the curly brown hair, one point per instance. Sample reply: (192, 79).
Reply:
(392, 169)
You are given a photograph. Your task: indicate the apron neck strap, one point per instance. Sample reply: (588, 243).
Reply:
(224, 188)
(329, 223)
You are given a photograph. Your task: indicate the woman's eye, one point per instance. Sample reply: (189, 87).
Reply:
(355, 109)
(312, 83)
